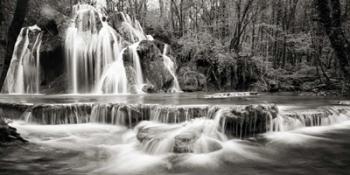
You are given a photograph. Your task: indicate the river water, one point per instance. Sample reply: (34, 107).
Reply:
(93, 148)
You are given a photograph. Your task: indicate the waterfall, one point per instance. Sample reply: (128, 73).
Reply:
(135, 30)
(91, 46)
(248, 121)
(114, 80)
(23, 76)
(139, 83)
(322, 117)
(196, 136)
(93, 55)
(170, 65)
(237, 121)
(94, 52)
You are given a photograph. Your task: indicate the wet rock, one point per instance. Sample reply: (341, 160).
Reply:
(196, 136)
(149, 88)
(143, 135)
(119, 21)
(153, 66)
(191, 142)
(60, 114)
(318, 117)
(184, 143)
(160, 34)
(57, 86)
(154, 71)
(13, 111)
(9, 134)
(191, 81)
(178, 114)
(247, 121)
(128, 115)
(152, 132)
(130, 74)
(53, 24)
(273, 86)
(116, 21)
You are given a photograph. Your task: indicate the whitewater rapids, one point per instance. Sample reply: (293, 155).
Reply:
(107, 149)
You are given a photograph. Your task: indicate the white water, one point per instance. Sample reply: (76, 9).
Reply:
(200, 135)
(139, 83)
(23, 76)
(295, 120)
(170, 65)
(91, 50)
(95, 56)
(135, 30)
(114, 79)
(105, 149)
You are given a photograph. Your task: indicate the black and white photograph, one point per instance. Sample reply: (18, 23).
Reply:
(174, 87)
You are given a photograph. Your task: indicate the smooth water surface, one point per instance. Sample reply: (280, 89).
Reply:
(176, 99)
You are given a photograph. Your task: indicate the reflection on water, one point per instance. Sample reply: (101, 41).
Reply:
(106, 149)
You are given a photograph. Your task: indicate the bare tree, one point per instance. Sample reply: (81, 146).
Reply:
(242, 10)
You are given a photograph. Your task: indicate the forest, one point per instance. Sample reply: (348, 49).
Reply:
(219, 45)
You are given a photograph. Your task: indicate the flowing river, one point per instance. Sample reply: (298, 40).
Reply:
(95, 147)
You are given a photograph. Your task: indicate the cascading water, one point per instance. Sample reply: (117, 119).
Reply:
(323, 117)
(135, 30)
(94, 55)
(197, 136)
(238, 121)
(92, 46)
(23, 76)
(137, 67)
(114, 80)
(170, 65)
(95, 52)
(178, 138)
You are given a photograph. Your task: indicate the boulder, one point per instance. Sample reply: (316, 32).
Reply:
(180, 138)
(155, 73)
(184, 142)
(190, 142)
(191, 81)
(160, 34)
(247, 121)
(130, 74)
(9, 134)
(153, 67)
(149, 88)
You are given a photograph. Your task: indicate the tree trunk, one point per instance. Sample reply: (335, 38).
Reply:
(329, 12)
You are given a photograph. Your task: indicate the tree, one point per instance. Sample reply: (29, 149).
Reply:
(242, 10)
(329, 12)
